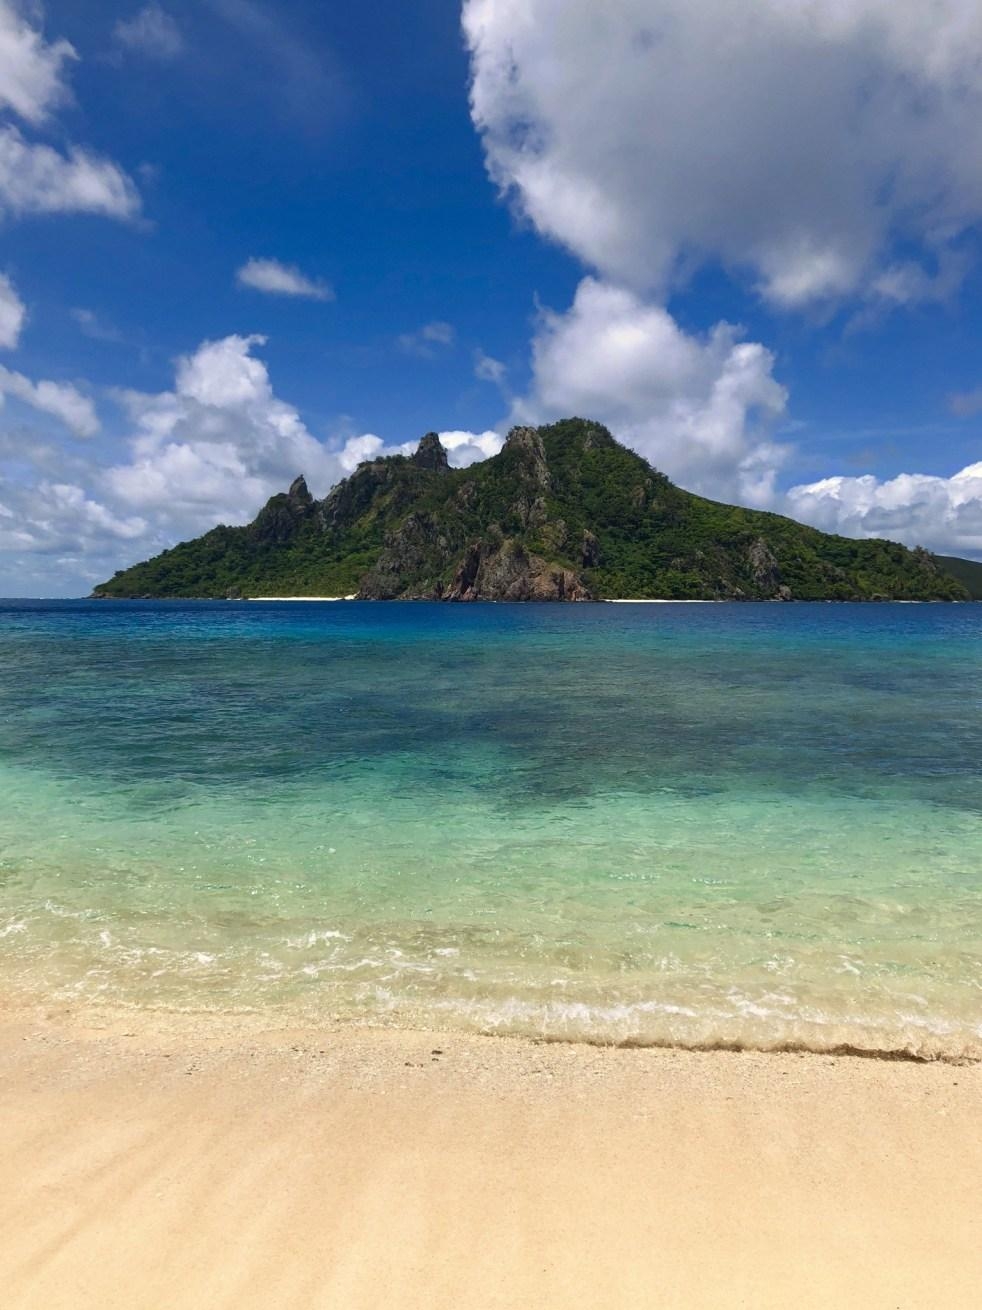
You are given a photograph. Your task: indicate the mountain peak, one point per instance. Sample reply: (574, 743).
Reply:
(527, 439)
(527, 445)
(298, 493)
(431, 454)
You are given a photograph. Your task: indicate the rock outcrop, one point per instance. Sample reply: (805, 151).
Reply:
(430, 454)
(492, 570)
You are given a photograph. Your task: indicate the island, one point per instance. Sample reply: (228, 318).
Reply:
(563, 512)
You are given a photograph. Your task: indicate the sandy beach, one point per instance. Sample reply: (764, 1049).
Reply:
(209, 1164)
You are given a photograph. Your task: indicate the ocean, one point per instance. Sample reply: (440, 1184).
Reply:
(743, 825)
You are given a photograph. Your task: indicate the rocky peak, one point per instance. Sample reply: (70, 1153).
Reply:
(283, 513)
(430, 454)
(298, 495)
(525, 439)
(527, 443)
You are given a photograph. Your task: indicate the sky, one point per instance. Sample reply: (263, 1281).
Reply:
(241, 240)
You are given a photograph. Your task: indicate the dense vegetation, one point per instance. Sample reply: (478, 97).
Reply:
(966, 571)
(563, 511)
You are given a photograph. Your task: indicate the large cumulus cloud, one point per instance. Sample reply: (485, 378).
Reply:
(944, 514)
(796, 141)
(700, 409)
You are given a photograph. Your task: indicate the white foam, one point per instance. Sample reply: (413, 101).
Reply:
(315, 937)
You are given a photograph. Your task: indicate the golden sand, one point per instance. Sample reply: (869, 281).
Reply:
(148, 1165)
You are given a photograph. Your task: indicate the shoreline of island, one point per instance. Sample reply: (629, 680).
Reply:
(603, 600)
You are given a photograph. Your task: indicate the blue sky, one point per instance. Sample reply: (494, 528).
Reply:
(240, 240)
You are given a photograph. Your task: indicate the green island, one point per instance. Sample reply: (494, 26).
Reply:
(562, 512)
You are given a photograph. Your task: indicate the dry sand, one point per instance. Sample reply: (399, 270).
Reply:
(210, 1165)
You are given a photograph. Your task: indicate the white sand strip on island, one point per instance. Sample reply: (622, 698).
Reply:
(224, 1168)
(659, 600)
(353, 597)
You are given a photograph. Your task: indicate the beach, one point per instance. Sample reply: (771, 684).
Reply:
(492, 956)
(152, 1162)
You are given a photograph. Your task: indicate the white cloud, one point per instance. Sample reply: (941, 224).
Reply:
(37, 179)
(429, 340)
(13, 313)
(700, 409)
(92, 326)
(489, 369)
(464, 448)
(152, 32)
(218, 445)
(69, 506)
(61, 399)
(364, 447)
(31, 69)
(55, 538)
(278, 279)
(909, 283)
(800, 142)
(943, 514)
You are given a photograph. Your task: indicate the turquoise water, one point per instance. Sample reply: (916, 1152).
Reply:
(752, 825)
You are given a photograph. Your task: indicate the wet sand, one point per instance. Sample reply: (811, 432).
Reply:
(151, 1163)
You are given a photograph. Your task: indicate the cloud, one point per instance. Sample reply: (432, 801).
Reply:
(70, 512)
(37, 179)
(61, 399)
(278, 279)
(13, 313)
(943, 514)
(699, 408)
(800, 143)
(464, 448)
(152, 32)
(429, 340)
(55, 537)
(489, 369)
(31, 69)
(218, 445)
(92, 326)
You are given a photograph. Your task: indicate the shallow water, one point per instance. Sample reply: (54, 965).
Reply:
(754, 825)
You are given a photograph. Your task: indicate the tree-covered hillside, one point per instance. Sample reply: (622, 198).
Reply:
(966, 571)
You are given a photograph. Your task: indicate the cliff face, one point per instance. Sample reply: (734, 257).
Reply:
(561, 513)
